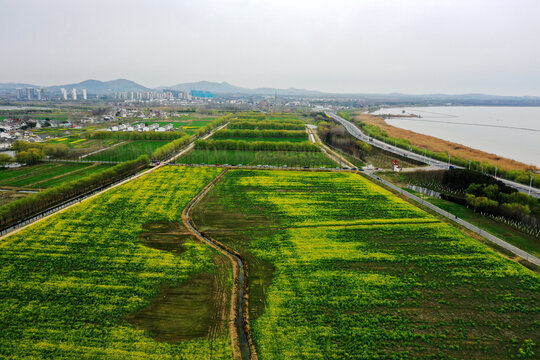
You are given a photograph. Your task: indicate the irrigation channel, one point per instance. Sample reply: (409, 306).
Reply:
(239, 329)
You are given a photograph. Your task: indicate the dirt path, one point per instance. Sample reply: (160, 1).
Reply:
(101, 150)
(334, 156)
(242, 344)
(22, 176)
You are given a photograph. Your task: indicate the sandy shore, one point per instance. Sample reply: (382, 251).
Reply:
(439, 145)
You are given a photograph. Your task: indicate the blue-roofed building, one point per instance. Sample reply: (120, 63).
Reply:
(202, 94)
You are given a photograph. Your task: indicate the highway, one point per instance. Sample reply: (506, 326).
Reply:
(434, 164)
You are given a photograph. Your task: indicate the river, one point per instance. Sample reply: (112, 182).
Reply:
(511, 132)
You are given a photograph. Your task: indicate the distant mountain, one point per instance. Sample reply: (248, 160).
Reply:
(9, 86)
(218, 88)
(99, 87)
(226, 88)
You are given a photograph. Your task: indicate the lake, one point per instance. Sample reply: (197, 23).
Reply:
(511, 132)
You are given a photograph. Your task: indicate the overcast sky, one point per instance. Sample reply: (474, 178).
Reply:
(362, 46)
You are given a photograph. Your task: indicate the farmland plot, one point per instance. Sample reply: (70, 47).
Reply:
(129, 151)
(341, 268)
(115, 277)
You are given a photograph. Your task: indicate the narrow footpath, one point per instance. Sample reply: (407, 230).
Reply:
(242, 344)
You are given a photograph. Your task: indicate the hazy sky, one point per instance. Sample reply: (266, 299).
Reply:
(378, 46)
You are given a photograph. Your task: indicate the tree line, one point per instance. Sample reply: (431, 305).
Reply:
(267, 124)
(31, 152)
(247, 133)
(214, 124)
(482, 193)
(338, 137)
(136, 135)
(168, 150)
(492, 200)
(255, 146)
(21, 209)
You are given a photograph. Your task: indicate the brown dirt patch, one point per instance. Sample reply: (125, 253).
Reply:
(439, 145)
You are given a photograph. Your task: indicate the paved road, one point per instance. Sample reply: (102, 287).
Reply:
(357, 133)
(523, 254)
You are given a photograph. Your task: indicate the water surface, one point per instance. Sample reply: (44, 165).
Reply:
(511, 132)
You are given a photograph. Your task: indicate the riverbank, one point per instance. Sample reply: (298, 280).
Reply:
(440, 145)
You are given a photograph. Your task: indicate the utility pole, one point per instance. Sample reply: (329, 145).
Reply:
(425, 157)
(449, 160)
(496, 168)
(530, 185)
(469, 164)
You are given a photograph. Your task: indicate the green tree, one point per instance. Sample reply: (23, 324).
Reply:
(5, 159)
(30, 156)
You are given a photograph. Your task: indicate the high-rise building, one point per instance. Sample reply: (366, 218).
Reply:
(20, 94)
(74, 94)
(30, 93)
(40, 94)
(64, 93)
(84, 95)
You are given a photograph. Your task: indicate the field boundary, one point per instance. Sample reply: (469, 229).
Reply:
(513, 249)
(242, 343)
(76, 200)
(101, 150)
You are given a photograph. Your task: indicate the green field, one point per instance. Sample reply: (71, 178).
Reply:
(128, 151)
(273, 139)
(507, 233)
(79, 146)
(87, 171)
(116, 277)
(272, 158)
(340, 268)
(45, 175)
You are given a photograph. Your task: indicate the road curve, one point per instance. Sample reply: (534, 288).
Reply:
(242, 343)
(357, 133)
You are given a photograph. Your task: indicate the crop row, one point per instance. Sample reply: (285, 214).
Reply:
(339, 272)
(68, 282)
